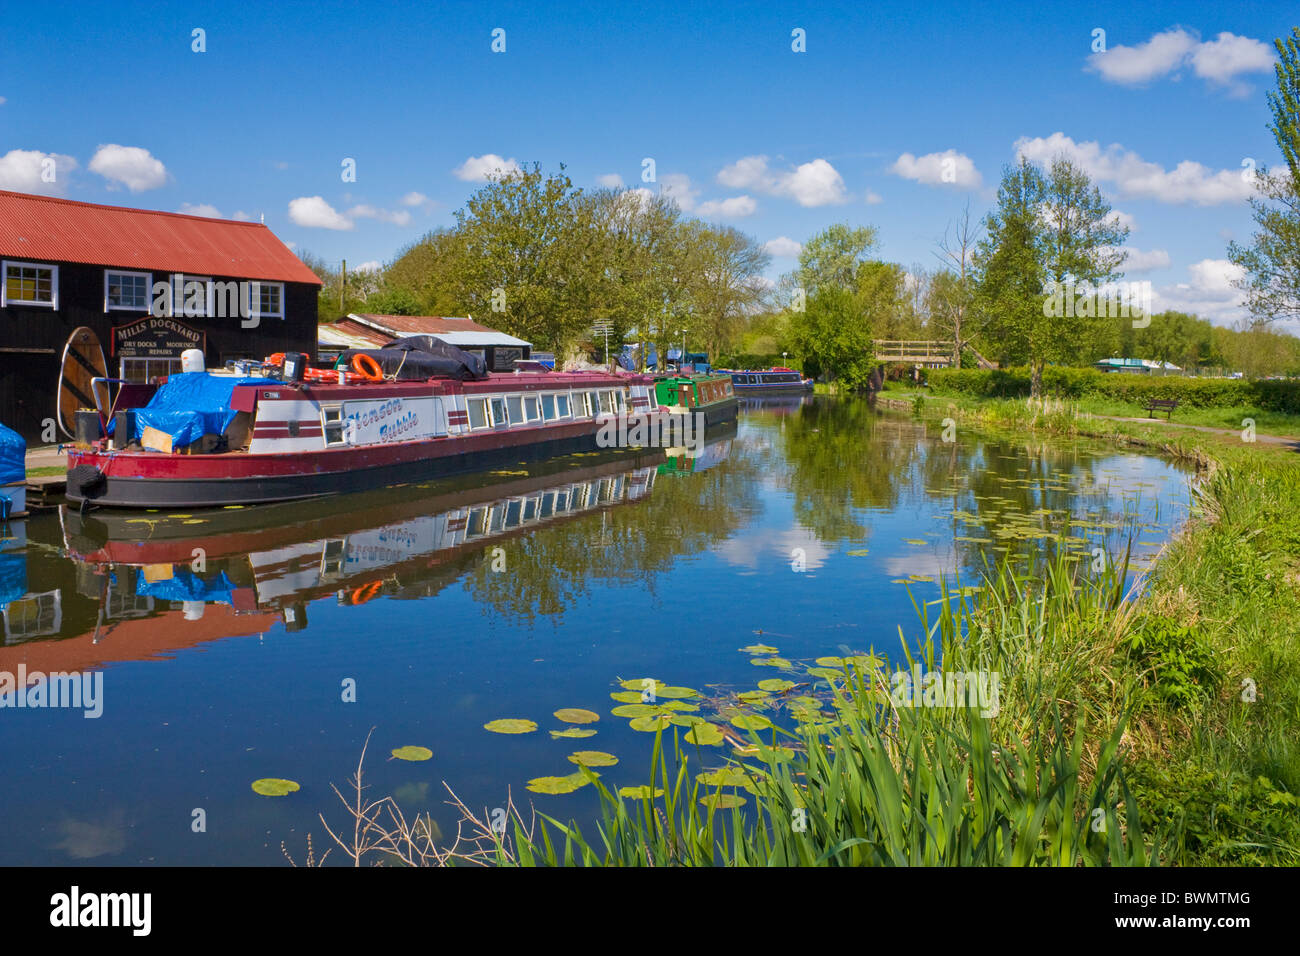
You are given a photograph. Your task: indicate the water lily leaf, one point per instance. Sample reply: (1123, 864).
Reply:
(274, 787)
(826, 672)
(650, 724)
(592, 758)
(775, 685)
(723, 801)
(558, 785)
(673, 692)
(753, 696)
(627, 696)
(641, 683)
(858, 553)
(510, 725)
(576, 715)
(724, 777)
(705, 735)
(686, 720)
(679, 705)
(639, 793)
(751, 722)
(758, 649)
(412, 753)
(573, 732)
(637, 710)
(770, 662)
(775, 754)
(830, 662)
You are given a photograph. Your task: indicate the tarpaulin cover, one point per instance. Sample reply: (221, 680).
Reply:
(419, 357)
(191, 405)
(13, 456)
(185, 585)
(13, 576)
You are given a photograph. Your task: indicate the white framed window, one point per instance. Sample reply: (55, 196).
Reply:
(331, 420)
(478, 415)
(653, 398)
(515, 408)
(532, 409)
(147, 369)
(267, 300)
(191, 296)
(499, 418)
(562, 406)
(128, 291)
(607, 404)
(30, 283)
(548, 407)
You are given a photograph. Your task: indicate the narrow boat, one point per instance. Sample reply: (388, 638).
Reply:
(709, 395)
(777, 380)
(414, 410)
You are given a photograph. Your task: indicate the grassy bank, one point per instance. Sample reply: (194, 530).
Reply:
(1128, 730)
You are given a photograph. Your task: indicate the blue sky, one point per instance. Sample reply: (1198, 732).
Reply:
(742, 129)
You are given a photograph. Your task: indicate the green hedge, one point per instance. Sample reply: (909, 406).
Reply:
(740, 360)
(1075, 383)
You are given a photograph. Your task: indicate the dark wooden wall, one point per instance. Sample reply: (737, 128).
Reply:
(28, 379)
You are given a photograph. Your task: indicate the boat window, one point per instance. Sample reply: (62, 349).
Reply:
(562, 406)
(498, 520)
(499, 412)
(531, 408)
(515, 405)
(548, 504)
(513, 510)
(548, 407)
(331, 420)
(653, 398)
(478, 413)
(606, 402)
(477, 523)
(332, 558)
(530, 508)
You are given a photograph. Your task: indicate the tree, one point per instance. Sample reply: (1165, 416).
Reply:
(831, 258)
(1051, 235)
(724, 270)
(949, 300)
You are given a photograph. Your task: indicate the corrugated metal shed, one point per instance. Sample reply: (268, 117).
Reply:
(458, 332)
(44, 229)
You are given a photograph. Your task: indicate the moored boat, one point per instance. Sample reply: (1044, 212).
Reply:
(709, 395)
(412, 411)
(777, 380)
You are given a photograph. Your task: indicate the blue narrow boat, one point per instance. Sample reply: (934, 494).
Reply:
(773, 381)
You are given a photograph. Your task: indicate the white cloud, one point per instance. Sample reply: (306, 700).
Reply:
(1208, 293)
(129, 166)
(26, 171)
(815, 183)
(873, 198)
(678, 188)
(1123, 219)
(782, 246)
(949, 168)
(315, 213)
(374, 265)
(398, 217)
(414, 199)
(241, 216)
(1136, 260)
(1132, 176)
(1219, 60)
(478, 169)
(610, 181)
(3, 101)
(733, 208)
(202, 209)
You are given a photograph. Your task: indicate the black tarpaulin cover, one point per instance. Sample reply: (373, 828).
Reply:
(418, 357)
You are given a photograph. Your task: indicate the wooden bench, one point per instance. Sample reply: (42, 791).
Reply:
(1166, 405)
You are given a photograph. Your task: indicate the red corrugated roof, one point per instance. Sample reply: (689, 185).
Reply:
(61, 230)
(354, 329)
(422, 324)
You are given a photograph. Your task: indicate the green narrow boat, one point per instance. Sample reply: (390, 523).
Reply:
(711, 395)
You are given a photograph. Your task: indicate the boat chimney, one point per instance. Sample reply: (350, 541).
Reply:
(192, 360)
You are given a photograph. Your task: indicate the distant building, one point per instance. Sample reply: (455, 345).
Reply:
(365, 330)
(1136, 366)
(66, 264)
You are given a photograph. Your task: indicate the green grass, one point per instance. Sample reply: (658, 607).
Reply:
(45, 471)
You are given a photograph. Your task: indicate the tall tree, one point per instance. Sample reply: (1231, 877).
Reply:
(1271, 264)
(950, 298)
(724, 279)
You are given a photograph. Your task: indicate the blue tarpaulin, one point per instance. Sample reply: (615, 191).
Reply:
(13, 456)
(185, 585)
(191, 405)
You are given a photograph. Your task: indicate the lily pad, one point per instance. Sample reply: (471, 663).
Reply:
(753, 696)
(758, 649)
(558, 785)
(641, 683)
(724, 777)
(626, 696)
(680, 705)
(676, 692)
(858, 553)
(573, 732)
(510, 725)
(769, 662)
(592, 758)
(723, 801)
(751, 722)
(705, 735)
(639, 793)
(576, 715)
(650, 724)
(637, 710)
(775, 685)
(412, 753)
(686, 720)
(274, 787)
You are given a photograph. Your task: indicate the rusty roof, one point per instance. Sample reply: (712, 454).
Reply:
(45, 229)
(419, 324)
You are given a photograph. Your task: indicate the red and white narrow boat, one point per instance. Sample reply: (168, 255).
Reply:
(271, 439)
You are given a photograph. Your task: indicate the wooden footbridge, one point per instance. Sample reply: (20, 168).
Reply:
(926, 353)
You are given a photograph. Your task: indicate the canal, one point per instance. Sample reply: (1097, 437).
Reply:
(225, 647)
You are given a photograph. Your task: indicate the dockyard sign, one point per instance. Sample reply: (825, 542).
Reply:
(155, 337)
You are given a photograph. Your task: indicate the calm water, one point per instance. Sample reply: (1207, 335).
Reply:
(226, 641)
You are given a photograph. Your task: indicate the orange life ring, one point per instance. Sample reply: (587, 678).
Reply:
(366, 592)
(276, 359)
(366, 366)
